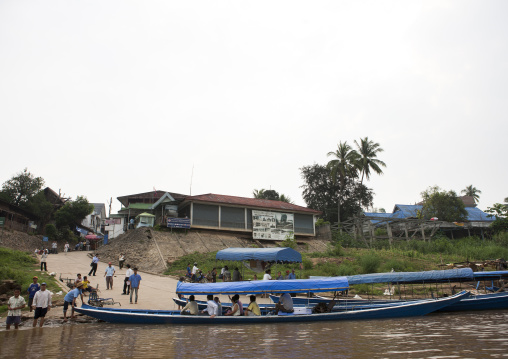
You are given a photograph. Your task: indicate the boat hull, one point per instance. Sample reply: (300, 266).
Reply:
(127, 316)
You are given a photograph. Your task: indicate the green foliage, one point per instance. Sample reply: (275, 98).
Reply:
(446, 206)
(321, 192)
(345, 240)
(50, 231)
(334, 250)
(370, 262)
(290, 242)
(347, 268)
(398, 265)
(22, 187)
(321, 222)
(17, 266)
(41, 207)
(307, 264)
(271, 195)
(73, 212)
(498, 210)
(367, 289)
(380, 232)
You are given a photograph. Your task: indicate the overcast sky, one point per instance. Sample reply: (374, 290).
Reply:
(110, 98)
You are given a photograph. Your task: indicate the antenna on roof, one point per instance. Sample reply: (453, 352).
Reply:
(192, 175)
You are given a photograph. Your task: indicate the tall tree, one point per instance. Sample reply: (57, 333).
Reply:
(342, 166)
(321, 192)
(22, 187)
(446, 206)
(472, 192)
(73, 212)
(367, 158)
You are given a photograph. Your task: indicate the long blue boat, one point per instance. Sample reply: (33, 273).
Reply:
(492, 301)
(140, 316)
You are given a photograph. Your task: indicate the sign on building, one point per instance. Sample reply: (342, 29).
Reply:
(179, 222)
(2, 221)
(272, 225)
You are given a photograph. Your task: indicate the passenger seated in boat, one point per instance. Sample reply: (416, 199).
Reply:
(219, 305)
(237, 306)
(253, 308)
(285, 304)
(211, 307)
(191, 308)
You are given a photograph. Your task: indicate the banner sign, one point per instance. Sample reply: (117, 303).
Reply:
(272, 225)
(2, 221)
(179, 222)
(45, 239)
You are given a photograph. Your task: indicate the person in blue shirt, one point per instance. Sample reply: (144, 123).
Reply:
(189, 273)
(135, 280)
(292, 274)
(34, 288)
(70, 299)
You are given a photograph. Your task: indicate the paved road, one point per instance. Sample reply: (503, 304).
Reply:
(155, 292)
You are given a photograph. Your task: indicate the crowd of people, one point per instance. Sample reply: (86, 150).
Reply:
(214, 307)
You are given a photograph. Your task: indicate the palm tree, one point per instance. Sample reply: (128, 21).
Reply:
(284, 198)
(367, 161)
(341, 166)
(259, 193)
(472, 192)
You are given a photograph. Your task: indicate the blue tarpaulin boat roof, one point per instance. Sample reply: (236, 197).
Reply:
(265, 286)
(413, 277)
(278, 255)
(490, 275)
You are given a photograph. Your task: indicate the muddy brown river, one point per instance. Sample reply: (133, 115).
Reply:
(468, 335)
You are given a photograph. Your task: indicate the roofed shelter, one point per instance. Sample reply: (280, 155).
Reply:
(268, 255)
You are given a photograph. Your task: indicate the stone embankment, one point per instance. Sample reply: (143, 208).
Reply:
(152, 250)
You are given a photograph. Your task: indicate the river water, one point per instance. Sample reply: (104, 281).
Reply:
(443, 335)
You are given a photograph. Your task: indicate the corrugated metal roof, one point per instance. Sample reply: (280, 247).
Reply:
(407, 210)
(139, 206)
(474, 214)
(250, 202)
(98, 208)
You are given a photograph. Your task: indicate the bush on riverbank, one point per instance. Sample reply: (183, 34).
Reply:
(20, 267)
(355, 258)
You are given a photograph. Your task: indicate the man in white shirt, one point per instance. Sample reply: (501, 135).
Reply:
(267, 275)
(41, 304)
(44, 256)
(127, 287)
(109, 273)
(211, 307)
(14, 305)
(194, 271)
(191, 308)
(285, 304)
